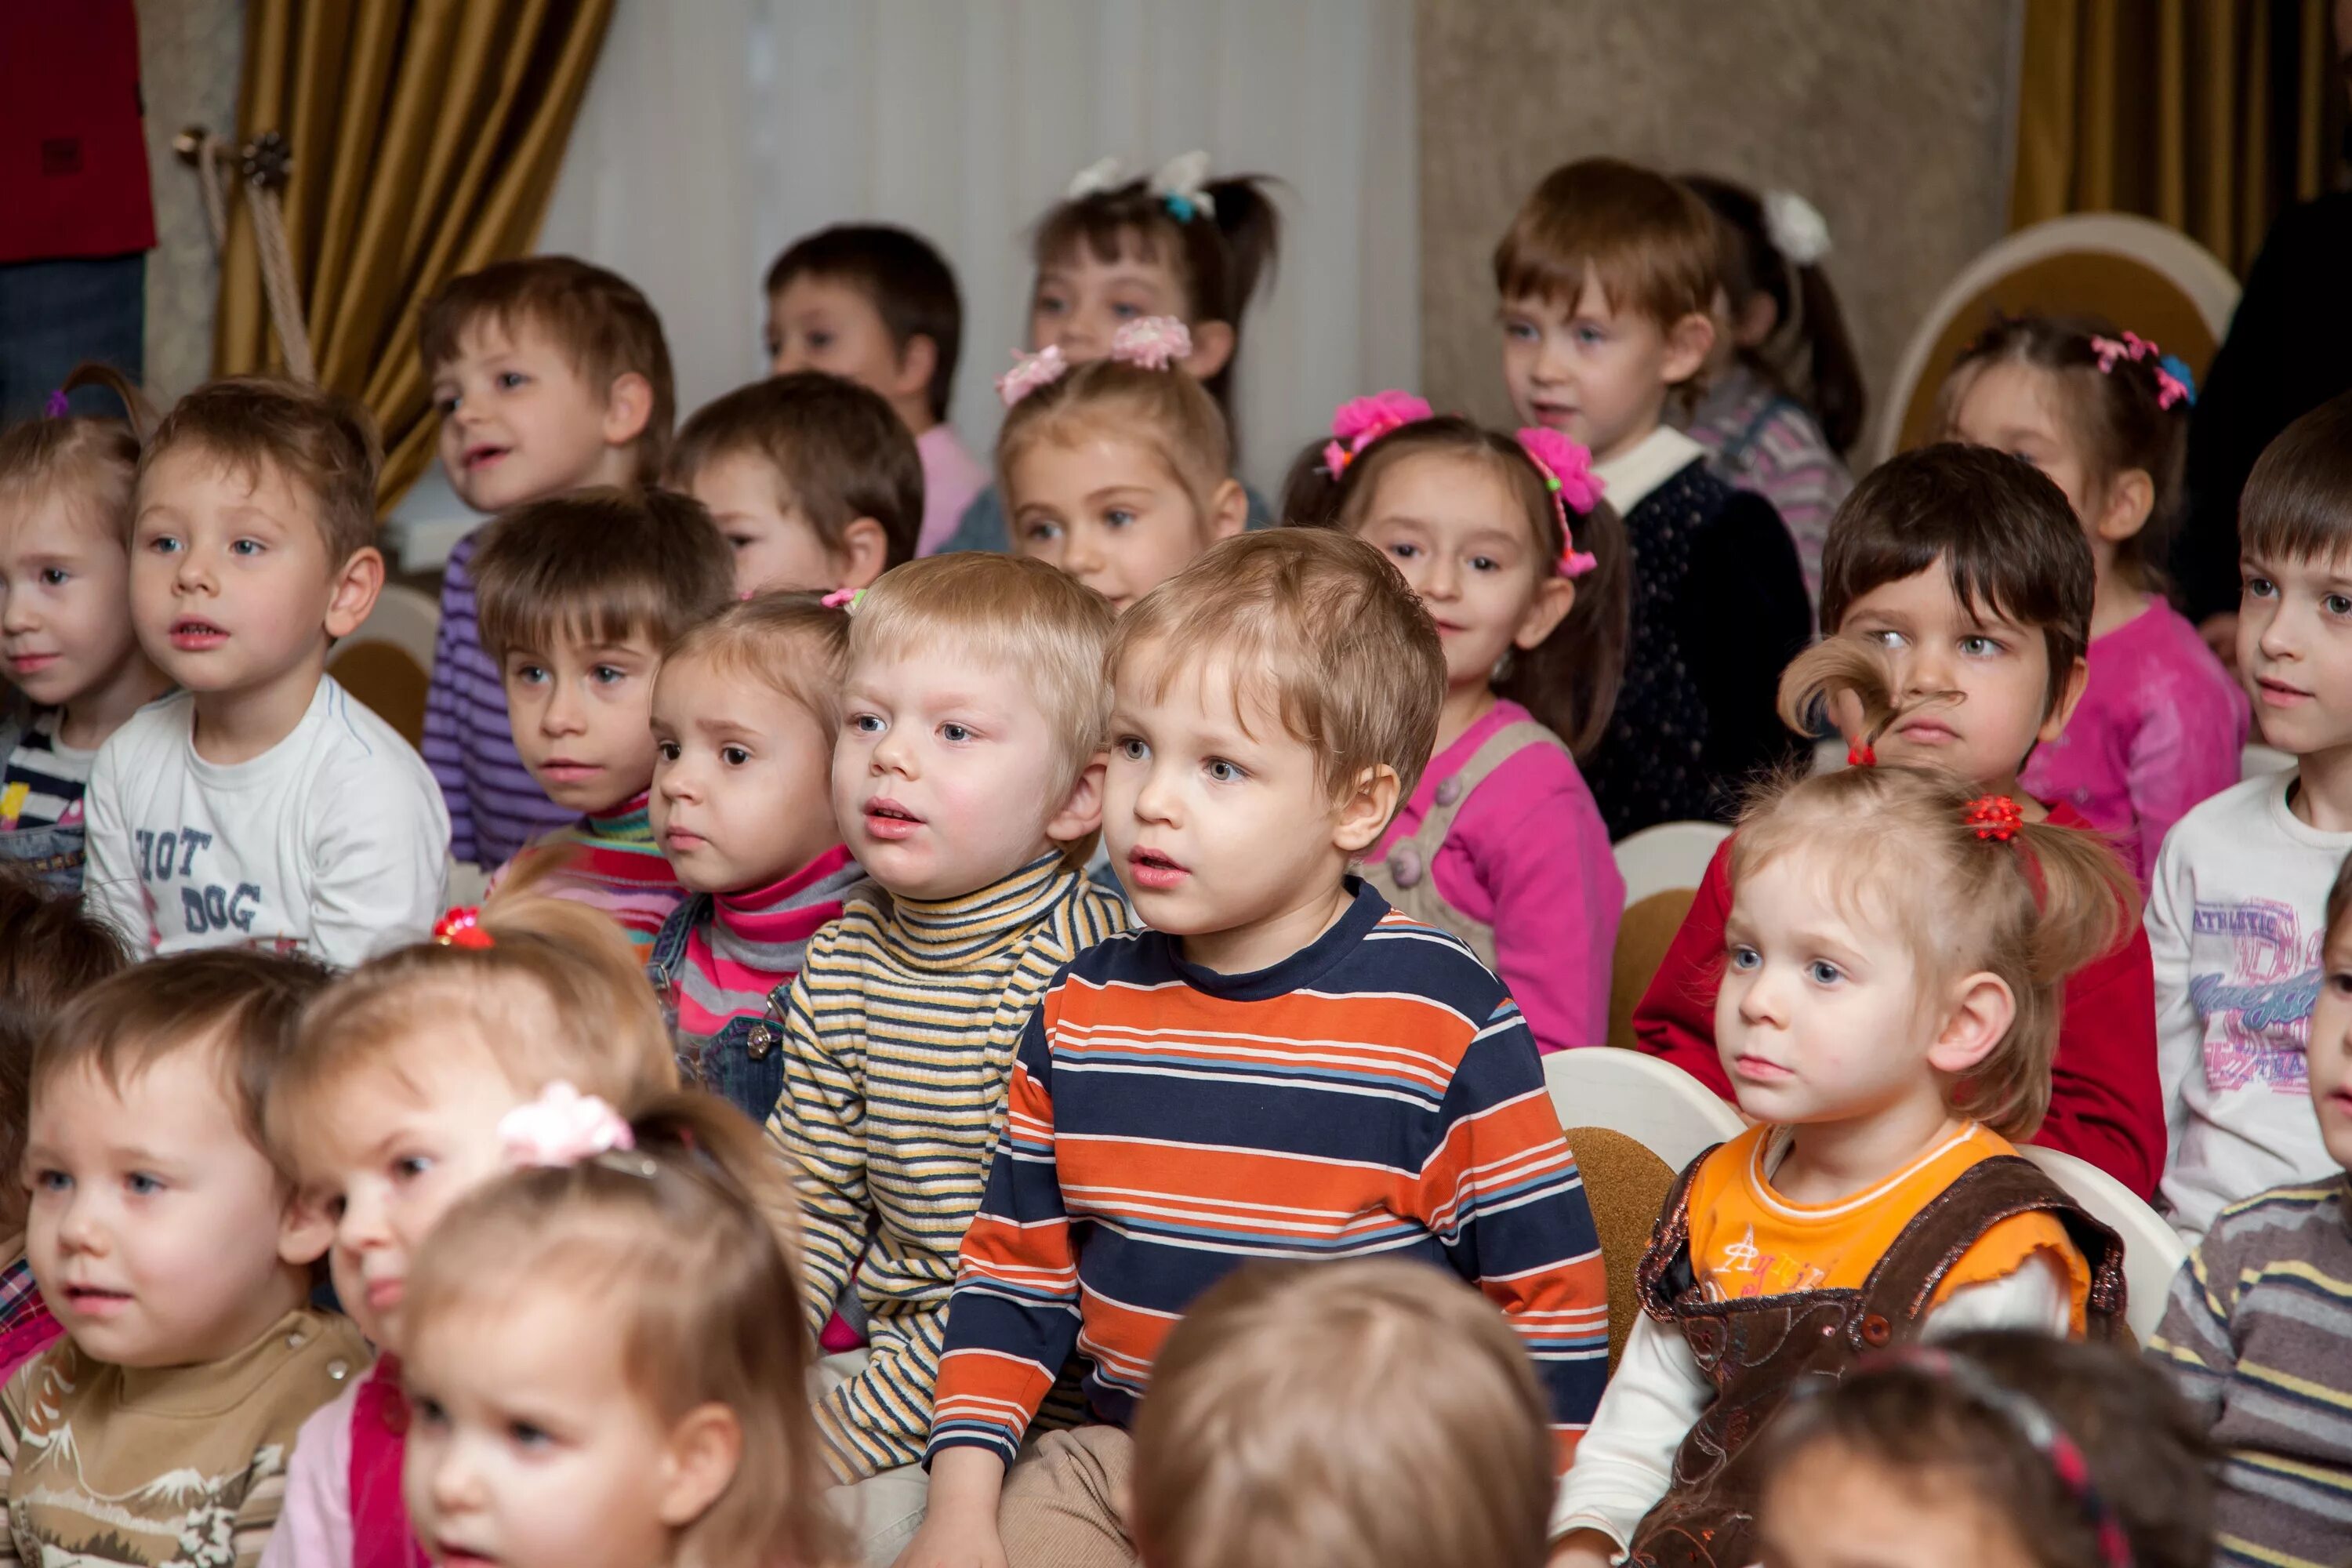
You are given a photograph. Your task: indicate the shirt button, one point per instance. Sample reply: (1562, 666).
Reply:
(1449, 791)
(763, 1040)
(1404, 865)
(339, 1370)
(1877, 1331)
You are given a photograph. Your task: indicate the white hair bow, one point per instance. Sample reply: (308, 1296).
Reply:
(1102, 174)
(1796, 227)
(1180, 185)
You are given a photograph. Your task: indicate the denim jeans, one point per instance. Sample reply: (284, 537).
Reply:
(56, 314)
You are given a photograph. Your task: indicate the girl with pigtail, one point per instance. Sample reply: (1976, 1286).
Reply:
(1890, 1001)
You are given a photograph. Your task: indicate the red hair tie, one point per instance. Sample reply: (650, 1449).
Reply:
(462, 927)
(1993, 816)
(1858, 755)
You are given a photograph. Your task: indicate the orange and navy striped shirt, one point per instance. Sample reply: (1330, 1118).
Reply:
(1375, 1093)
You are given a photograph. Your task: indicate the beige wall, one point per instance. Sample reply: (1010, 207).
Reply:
(1890, 115)
(188, 56)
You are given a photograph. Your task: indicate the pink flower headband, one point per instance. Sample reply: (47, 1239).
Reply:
(562, 1126)
(2173, 381)
(1155, 342)
(1567, 468)
(1361, 421)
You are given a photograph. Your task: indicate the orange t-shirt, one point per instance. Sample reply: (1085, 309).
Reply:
(1747, 1240)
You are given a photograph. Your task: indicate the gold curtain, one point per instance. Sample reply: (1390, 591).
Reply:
(426, 135)
(2207, 115)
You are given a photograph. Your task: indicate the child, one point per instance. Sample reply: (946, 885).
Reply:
(879, 305)
(1117, 472)
(551, 375)
(179, 1261)
(2162, 725)
(259, 806)
(1448, 1457)
(813, 480)
(389, 1108)
(1608, 278)
(1281, 1068)
(967, 780)
(1968, 568)
(54, 950)
(744, 712)
(578, 630)
(1500, 842)
(1116, 249)
(1783, 393)
(1993, 1450)
(2234, 910)
(67, 646)
(2254, 1334)
(1888, 1013)
(595, 1363)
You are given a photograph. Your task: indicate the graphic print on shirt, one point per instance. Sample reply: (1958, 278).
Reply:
(2253, 976)
(169, 875)
(1743, 1271)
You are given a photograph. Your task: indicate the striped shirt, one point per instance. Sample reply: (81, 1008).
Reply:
(1375, 1093)
(899, 1037)
(608, 859)
(45, 778)
(2258, 1337)
(753, 943)
(495, 805)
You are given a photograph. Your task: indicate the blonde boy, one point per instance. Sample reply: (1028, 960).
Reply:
(1281, 1066)
(967, 780)
(259, 805)
(549, 375)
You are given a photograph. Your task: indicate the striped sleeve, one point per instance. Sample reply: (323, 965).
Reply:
(445, 745)
(1013, 1319)
(1501, 1192)
(818, 1128)
(2192, 1344)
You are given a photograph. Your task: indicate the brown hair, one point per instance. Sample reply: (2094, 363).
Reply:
(241, 1002)
(911, 286)
(319, 441)
(791, 643)
(1569, 681)
(1217, 258)
(2115, 414)
(557, 994)
(597, 319)
(1649, 240)
(50, 952)
(698, 1200)
(1447, 1457)
(2032, 909)
(1320, 623)
(2005, 536)
(841, 453)
(2298, 498)
(2149, 1459)
(2339, 898)
(95, 461)
(1165, 410)
(599, 566)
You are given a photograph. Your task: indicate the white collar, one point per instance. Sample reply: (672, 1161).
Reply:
(1629, 476)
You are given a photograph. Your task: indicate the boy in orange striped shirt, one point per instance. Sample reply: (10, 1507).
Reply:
(1282, 1067)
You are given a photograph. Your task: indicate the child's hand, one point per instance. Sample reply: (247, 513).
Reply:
(1583, 1549)
(960, 1529)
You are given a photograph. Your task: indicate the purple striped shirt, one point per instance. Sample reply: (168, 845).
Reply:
(495, 805)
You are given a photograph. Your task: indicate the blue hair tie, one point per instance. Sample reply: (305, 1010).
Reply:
(2178, 369)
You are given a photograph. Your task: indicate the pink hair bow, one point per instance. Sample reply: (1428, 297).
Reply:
(842, 599)
(1155, 342)
(2172, 375)
(1361, 421)
(1567, 468)
(562, 1126)
(1031, 372)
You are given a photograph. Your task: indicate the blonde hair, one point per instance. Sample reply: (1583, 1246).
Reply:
(1373, 1413)
(686, 1249)
(1019, 615)
(94, 461)
(558, 992)
(1319, 622)
(791, 643)
(1166, 411)
(2030, 909)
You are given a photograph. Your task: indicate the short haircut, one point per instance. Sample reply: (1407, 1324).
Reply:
(320, 442)
(1018, 614)
(911, 286)
(2298, 501)
(1369, 1413)
(2004, 534)
(1166, 411)
(1648, 241)
(599, 566)
(597, 319)
(841, 452)
(244, 1002)
(1318, 622)
(52, 954)
(791, 643)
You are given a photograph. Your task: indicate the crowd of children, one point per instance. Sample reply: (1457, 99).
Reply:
(1009, 1022)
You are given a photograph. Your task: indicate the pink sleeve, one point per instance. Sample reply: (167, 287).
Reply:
(2185, 751)
(314, 1524)
(1542, 855)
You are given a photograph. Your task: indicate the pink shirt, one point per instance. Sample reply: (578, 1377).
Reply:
(2159, 731)
(1528, 856)
(951, 479)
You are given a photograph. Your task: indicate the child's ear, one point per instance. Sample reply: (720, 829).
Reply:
(628, 407)
(697, 1462)
(1082, 808)
(863, 555)
(305, 1231)
(917, 362)
(1213, 349)
(1553, 600)
(2129, 497)
(1228, 511)
(1981, 1014)
(1689, 342)
(2078, 681)
(1356, 826)
(353, 591)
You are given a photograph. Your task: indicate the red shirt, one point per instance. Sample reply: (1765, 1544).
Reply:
(2105, 1104)
(73, 159)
